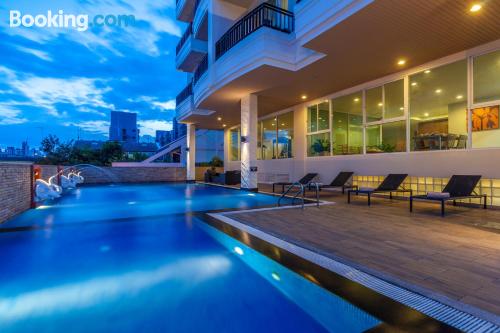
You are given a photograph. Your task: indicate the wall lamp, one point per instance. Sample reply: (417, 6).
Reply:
(187, 148)
(244, 139)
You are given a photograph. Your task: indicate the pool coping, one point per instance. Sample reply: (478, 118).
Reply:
(433, 308)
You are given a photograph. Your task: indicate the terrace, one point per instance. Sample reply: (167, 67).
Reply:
(453, 260)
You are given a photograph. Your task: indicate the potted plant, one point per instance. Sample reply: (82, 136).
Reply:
(321, 147)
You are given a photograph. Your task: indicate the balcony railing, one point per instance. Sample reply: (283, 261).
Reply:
(202, 69)
(184, 38)
(184, 94)
(265, 15)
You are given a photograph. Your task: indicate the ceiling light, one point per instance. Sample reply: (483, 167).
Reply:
(303, 96)
(460, 96)
(402, 108)
(223, 125)
(380, 104)
(438, 91)
(475, 7)
(356, 99)
(426, 114)
(427, 71)
(401, 62)
(414, 84)
(219, 118)
(283, 124)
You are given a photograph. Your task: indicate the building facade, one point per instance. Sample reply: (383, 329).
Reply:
(123, 127)
(373, 87)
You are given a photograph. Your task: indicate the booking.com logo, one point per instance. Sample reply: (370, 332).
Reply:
(70, 21)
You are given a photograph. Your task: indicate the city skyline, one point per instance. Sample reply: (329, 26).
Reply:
(46, 89)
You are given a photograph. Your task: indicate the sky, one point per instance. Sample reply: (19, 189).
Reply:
(57, 80)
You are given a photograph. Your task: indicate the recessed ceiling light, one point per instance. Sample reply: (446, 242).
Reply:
(219, 118)
(356, 99)
(223, 125)
(380, 104)
(283, 124)
(438, 91)
(475, 7)
(427, 71)
(414, 84)
(426, 114)
(401, 62)
(460, 96)
(303, 96)
(402, 108)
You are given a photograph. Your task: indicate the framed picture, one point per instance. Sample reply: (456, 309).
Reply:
(484, 119)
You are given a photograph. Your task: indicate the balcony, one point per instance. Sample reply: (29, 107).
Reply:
(184, 94)
(265, 15)
(190, 51)
(185, 10)
(201, 70)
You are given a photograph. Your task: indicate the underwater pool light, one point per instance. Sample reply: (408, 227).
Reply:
(276, 276)
(239, 250)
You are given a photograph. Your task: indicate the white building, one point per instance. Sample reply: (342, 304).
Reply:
(373, 87)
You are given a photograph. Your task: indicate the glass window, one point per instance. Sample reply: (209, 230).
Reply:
(438, 107)
(312, 119)
(318, 144)
(234, 138)
(269, 138)
(347, 124)
(386, 138)
(394, 99)
(487, 77)
(323, 116)
(285, 135)
(374, 104)
(259, 140)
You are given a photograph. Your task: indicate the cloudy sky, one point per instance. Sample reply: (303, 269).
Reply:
(60, 80)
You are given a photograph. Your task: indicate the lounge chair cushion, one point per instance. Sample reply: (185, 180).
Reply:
(438, 195)
(366, 189)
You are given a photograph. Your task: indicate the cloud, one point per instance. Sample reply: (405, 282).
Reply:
(165, 106)
(149, 127)
(37, 53)
(92, 126)
(10, 116)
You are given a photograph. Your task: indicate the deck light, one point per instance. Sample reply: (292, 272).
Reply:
(303, 96)
(438, 91)
(239, 250)
(460, 96)
(475, 7)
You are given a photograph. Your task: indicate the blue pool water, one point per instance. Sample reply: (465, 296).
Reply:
(128, 258)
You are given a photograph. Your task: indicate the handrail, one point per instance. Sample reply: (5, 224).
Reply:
(264, 15)
(184, 94)
(201, 69)
(184, 38)
(300, 191)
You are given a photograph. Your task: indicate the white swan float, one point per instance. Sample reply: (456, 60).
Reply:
(47, 190)
(71, 180)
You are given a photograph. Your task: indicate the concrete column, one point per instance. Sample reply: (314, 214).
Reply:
(191, 153)
(226, 149)
(249, 148)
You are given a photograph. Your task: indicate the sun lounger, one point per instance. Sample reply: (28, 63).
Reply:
(343, 181)
(306, 180)
(391, 184)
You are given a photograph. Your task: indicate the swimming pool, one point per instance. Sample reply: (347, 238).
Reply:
(134, 258)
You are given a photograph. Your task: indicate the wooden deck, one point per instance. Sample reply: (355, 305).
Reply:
(455, 259)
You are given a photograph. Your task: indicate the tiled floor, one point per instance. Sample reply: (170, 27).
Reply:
(457, 256)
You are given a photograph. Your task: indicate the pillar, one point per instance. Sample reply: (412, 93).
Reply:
(191, 153)
(249, 143)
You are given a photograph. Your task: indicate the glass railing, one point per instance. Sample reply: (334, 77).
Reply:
(184, 94)
(184, 38)
(202, 69)
(265, 15)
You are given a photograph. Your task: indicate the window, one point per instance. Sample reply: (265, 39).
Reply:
(386, 138)
(285, 135)
(234, 149)
(487, 77)
(438, 108)
(374, 104)
(318, 128)
(394, 99)
(275, 137)
(347, 124)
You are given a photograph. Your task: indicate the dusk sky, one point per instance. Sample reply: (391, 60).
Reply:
(56, 80)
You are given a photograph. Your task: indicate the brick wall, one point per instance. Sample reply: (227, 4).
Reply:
(47, 171)
(15, 189)
(133, 174)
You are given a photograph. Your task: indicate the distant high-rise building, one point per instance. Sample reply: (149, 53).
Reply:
(25, 149)
(123, 127)
(178, 129)
(164, 137)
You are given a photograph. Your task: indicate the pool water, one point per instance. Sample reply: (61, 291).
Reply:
(130, 258)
